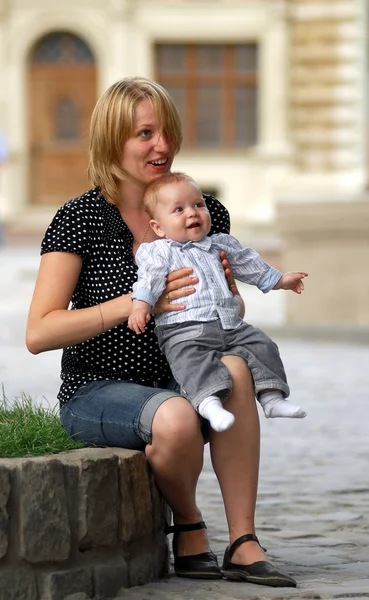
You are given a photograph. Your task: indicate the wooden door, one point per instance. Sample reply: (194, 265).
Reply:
(62, 95)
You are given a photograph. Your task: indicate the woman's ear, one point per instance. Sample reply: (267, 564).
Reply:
(156, 228)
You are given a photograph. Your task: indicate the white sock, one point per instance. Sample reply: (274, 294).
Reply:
(212, 409)
(275, 405)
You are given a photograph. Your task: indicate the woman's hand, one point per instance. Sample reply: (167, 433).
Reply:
(175, 288)
(228, 273)
(231, 281)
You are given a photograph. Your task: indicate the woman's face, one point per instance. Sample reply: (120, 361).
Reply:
(147, 154)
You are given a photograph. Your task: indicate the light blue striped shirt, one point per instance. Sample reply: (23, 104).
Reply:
(212, 299)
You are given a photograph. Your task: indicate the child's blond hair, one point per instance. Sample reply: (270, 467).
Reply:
(151, 195)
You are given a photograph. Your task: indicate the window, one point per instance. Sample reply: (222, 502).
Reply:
(215, 89)
(62, 47)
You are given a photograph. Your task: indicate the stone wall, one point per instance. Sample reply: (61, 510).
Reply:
(330, 241)
(322, 214)
(325, 83)
(86, 522)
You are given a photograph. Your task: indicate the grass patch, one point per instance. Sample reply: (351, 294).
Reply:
(29, 429)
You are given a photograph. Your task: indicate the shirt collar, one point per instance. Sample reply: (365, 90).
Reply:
(203, 244)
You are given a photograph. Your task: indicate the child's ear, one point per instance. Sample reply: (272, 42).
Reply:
(156, 228)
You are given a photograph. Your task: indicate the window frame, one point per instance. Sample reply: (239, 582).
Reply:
(228, 78)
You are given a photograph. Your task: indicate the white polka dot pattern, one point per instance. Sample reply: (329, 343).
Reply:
(94, 229)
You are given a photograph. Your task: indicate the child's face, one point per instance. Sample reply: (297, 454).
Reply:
(181, 213)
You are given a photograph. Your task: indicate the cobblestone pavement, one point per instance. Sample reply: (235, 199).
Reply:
(313, 503)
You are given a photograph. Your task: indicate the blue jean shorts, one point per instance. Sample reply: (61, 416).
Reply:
(114, 413)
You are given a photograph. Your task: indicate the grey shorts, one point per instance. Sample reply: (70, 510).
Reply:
(194, 351)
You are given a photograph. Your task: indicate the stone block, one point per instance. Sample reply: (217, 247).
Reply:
(110, 577)
(43, 515)
(4, 517)
(18, 584)
(98, 509)
(141, 568)
(71, 484)
(59, 585)
(162, 555)
(136, 509)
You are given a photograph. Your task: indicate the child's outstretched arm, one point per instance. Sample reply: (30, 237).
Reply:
(291, 281)
(140, 316)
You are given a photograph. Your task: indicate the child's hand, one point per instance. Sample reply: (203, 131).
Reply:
(138, 319)
(292, 281)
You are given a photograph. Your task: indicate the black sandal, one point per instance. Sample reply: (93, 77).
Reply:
(260, 572)
(195, 566)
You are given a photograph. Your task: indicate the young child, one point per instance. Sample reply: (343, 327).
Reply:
(195, 339)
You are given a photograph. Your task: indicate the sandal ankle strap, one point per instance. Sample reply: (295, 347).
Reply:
(184, 527)
(248, 537)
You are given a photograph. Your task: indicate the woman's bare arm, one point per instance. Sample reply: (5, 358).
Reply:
(50, 324)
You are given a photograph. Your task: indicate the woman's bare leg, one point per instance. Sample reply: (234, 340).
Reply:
(235, 457)
(176, 458)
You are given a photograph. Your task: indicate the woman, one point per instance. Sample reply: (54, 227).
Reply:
(117, 388)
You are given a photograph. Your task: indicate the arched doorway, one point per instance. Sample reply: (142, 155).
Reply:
(62, 94)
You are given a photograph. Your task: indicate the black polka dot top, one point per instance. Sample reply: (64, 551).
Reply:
(94, 229)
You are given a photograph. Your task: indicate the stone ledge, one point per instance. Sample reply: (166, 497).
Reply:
(84, 522)
(323, 333)
(319, 219)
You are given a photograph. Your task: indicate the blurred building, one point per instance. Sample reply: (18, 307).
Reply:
(273, 98)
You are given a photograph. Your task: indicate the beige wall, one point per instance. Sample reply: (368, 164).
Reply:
(322, 210)
(312, 114)
(247, 180)
(331, 242)
(327, 97)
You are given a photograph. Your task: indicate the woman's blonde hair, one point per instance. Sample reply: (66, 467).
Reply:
(151, 195)
(112, 124)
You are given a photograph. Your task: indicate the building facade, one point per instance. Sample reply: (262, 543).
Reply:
(322, 212)
(272, 94)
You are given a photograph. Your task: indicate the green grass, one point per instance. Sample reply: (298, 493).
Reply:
(29, 429)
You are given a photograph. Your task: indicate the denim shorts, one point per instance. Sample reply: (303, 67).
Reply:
(114, 413)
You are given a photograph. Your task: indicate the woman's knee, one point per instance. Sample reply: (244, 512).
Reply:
(176, 423)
